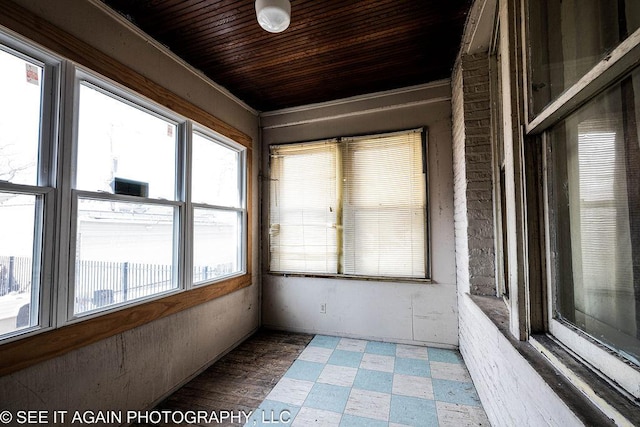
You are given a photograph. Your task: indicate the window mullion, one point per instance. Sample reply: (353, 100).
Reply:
(63, 289)
(218, 207)
(186, 226)
(45, 259)
(427, 221)
(340, 168)
(124, 198)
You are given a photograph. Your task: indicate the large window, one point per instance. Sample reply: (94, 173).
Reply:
(110, 201)
(585, 93)
(354, 206)
(127, 216)
(218, 207)
(596, 206)
(27, 88)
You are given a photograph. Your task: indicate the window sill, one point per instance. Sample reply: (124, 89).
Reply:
(350, 277)
(560, 370)
(613, 403)
(31, 350)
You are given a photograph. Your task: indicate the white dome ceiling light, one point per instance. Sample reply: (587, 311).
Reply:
(273, 15)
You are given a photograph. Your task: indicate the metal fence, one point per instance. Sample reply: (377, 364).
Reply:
(102, 283)
(202, 273)
(15, 274)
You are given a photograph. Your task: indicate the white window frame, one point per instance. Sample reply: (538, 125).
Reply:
(53, 303)
(225, 142)
(44, 259)
(56, 191)
(108, 88)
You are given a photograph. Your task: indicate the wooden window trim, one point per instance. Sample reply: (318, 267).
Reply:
(34, 349)
(25, 352)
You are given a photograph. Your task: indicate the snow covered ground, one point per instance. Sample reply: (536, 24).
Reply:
(9, 306)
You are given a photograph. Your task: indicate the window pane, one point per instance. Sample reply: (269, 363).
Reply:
(384, 206)
(303, 221)
(18, 213)
(215, 178)
(216, 244)
(20, 106)
(596, 210)
(119, 143)
(569, 37)
(124, 251)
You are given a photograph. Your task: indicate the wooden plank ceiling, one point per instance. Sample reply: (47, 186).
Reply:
(332, 49)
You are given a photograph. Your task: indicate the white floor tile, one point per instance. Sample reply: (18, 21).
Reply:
(292, 391)
(449, 371)
(453, 415)
(349, 344)
(369, 404)
(407, 385)
(377, 362)
(316, 354)
(412, 352)
(338, 375)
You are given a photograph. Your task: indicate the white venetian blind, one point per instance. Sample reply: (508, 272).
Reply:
(384, 206)
(303, 208)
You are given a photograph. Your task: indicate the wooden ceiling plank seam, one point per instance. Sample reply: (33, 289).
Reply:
(199, 21)
(245, 56)
(272, 61)
(296, 32)
(185, 10)
(148, 14)
(426, 29)
(419, 63)
(298, 20)
(343, 67)
(298, 43)
(331, 50)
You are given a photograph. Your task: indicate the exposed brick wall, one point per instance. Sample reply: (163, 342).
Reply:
(473, 176)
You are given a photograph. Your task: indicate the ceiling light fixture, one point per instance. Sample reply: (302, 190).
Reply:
(273, 15)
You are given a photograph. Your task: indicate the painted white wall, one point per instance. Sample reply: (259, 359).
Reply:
(460, 182)
(133, 370)
(511, 391)
(137, 368)
(418, 313)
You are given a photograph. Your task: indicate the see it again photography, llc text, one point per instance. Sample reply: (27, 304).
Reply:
(62, 417)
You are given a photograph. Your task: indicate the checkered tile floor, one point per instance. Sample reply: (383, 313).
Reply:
(346, 382)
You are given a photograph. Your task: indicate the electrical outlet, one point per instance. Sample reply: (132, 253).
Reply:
(323, 308)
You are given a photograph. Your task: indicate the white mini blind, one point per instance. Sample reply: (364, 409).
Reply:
(303, 208)
(384, 206)
(354, 206)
